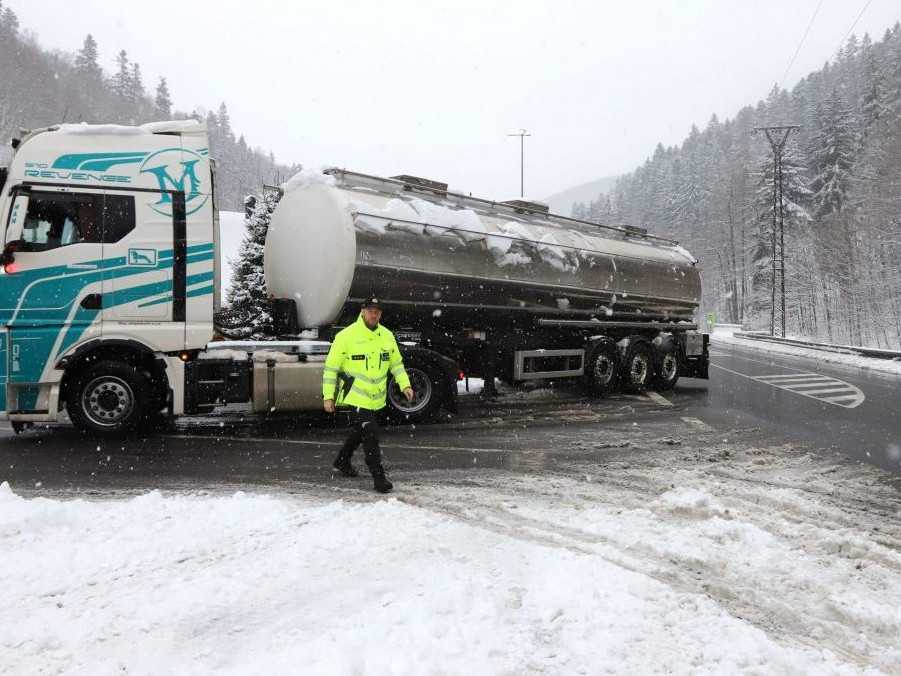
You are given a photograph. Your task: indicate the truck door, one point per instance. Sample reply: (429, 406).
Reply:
(138, 254)
(47, 302)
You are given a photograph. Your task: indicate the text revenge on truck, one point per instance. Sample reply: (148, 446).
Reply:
(109, 286)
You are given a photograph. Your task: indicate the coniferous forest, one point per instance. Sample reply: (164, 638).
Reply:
(42, 88)
(841, 201)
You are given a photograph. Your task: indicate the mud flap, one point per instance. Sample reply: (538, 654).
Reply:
(697, 365)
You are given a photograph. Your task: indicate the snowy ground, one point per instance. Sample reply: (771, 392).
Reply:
(725, 336)
(686, 553)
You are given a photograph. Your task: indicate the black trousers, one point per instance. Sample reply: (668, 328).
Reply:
(365, 431)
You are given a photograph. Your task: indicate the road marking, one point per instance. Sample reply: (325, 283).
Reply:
(658, 398)
(792, 377)
(836, 400)
(301, 442)
(810, 385)
(699, 424)
(828, 390)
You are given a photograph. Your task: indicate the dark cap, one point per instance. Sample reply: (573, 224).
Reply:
(372, 302)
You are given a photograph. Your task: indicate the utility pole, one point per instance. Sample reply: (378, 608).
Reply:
(522, 135)
(778, 137)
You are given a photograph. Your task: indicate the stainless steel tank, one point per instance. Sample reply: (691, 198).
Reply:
(338, 237)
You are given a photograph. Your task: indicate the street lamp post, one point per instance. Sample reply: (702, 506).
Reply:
(522, 133)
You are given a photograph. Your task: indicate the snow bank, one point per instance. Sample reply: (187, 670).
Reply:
(255, 584)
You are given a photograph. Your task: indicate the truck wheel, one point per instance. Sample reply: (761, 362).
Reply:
(638, 367)
(666, 366)
(602, 369)
(428, 394)
(110, 397)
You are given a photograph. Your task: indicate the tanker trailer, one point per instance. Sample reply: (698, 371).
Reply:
(503, 289)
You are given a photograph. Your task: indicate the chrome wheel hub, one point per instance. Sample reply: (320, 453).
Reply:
(107, 401)
(669, 367)
(603, 369)
(422, 392)
(638, 371)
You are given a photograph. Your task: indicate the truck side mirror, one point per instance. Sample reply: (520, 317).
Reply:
(9, 251)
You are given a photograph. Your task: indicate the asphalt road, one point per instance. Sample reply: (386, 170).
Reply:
(854, 411)
(780, 400)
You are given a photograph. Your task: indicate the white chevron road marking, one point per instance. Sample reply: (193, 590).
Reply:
(811, 385)
(815, 386)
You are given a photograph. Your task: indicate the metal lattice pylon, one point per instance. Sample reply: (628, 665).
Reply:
(778, 137)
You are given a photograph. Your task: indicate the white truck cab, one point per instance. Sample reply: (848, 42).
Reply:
(108, 240)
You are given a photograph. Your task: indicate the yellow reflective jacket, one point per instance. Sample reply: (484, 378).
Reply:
(358, 364)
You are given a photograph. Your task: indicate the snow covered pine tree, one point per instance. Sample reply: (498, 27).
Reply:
(249, 315)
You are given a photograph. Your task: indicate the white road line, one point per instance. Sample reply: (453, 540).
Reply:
(658, 398)
(796, 381)
(810, 387)
(699, 424)
(836, 400)
(791, 376)
(763, 363)
(831, 390)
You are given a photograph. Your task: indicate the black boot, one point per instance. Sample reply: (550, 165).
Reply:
(345, 468)
(381, 482)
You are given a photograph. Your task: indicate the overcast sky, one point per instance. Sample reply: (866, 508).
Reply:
(432, 88)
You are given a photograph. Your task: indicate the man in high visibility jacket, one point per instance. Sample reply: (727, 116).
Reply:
(356, 376)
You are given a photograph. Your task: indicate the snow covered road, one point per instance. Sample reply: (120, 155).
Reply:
(686, 553)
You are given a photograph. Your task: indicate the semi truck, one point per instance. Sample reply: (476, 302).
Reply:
(110, 283)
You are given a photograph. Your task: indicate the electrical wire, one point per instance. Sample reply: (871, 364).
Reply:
(801, 43)
(860, 14)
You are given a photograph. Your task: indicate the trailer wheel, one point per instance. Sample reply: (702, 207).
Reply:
(428, 395)
(638, 367)
(602, 369)
(667, 364)
(109, 398)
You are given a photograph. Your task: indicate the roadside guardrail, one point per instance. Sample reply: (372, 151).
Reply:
(828, 347)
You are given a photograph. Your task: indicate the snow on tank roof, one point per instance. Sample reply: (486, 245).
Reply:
(352, 180)
(451, 210)
(165, 127)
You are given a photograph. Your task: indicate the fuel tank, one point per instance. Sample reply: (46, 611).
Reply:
(337, 237)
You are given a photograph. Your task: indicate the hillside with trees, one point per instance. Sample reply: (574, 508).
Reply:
(39, 88)
(842, 201)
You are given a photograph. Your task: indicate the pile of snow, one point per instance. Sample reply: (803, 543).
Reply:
(247, 583)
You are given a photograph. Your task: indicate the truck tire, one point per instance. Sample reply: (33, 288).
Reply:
(637, 367)
(110, 398)
(667, 364)
(602, 369)
(428, 394)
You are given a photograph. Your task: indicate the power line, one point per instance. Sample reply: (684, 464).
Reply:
(860, 14)
(801, 43)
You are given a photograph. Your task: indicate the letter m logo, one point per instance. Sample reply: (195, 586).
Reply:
(177, 174)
